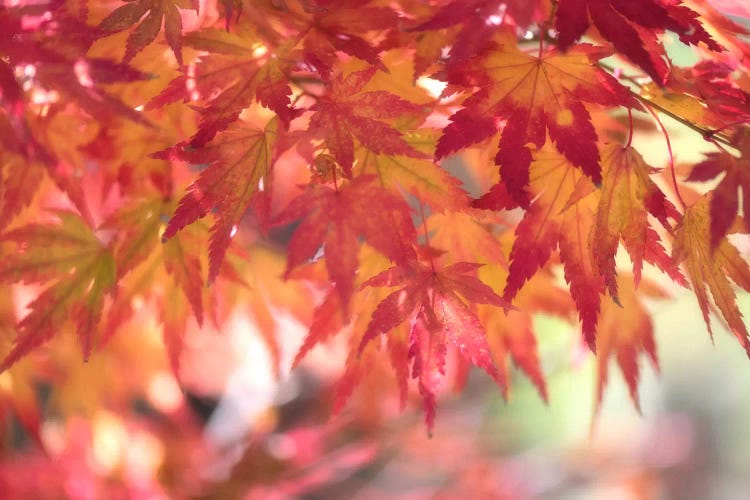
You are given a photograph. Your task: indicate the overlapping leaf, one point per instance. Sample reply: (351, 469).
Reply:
(340, 27)
(237, 160)
(561, 216)
(625, 331)
(725, 200)
(430, 298)
(628, 196)
(345, 113)
(83, 269)
(153, 13)
(632, 28)
(535, 97)
(712, 268)
(421, 177)
(228, 80)
(334, 218)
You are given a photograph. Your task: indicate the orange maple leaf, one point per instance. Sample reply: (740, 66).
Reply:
(712, 269)
(624, 331)
(562, 215)
(627, 197)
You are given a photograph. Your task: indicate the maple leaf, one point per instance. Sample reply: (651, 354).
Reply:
(345, 113)
(334, 218)
(534, 96)
(61, 71)
(725, 200)
(339, 27)
(421, 177)
(705, 94)
(625, 330)
(156, 12)
(84, 270)
(632, 28)
(479, 20)
(431, 298)
(237, 160)
(511, 334)
(562, 215)
(19, 182)
(228, 80)
(627, 197)
(712, 268)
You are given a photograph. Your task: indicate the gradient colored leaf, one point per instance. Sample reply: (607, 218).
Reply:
(429, 298)
(83, 269)
(237, 160)
(335, 218)
(628, 196)
(534, 97)
(712, 268)
(346, 113)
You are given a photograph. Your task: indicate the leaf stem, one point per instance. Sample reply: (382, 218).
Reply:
(671, 157)
(426, 235)
(630, 134)
(705, 133)
(335, 182)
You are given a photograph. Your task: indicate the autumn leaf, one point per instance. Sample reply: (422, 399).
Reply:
(154, 13)
(345, 113)
(632, 28)
(534, 96)
(561, 216)
(707, 268)
(423, 178)
(83, 269)
(237, 160)
(706, 94)
(430, 297)
(342, 29)
(625, 331)
(478, 20)
(511, 335)
(333, 218)
(227, 80)
(19, 181)
(725, 200)
(627, 197)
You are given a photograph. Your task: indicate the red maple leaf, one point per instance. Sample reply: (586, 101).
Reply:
(237, 160)
(334, 218)
(632, 27)
(430, 298)
(725, 200)
(226, 81)
(345, 113)
(533, 96)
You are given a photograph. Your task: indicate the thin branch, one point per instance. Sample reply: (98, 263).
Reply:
(704, 132)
